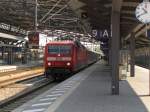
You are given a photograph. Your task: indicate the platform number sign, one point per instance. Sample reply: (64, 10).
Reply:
(101, 33)
(143, 12)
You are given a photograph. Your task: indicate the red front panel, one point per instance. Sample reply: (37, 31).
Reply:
(58, 60)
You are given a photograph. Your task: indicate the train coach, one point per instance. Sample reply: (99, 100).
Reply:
(65, 57)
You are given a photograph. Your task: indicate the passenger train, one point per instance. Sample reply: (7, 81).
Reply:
(63, 58)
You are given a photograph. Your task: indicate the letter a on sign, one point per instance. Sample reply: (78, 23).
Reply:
(105, 34)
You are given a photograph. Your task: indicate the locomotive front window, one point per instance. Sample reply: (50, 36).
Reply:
(65, 49)
(53, 49)
(59, 49)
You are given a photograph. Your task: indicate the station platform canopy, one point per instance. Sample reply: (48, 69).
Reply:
(73, 15)
(11, 37)
(98, 15)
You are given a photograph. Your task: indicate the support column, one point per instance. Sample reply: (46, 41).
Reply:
(115, 46)
(2, 54)
(36, 14)
(110, 59)
(128, 58)
(132, 55)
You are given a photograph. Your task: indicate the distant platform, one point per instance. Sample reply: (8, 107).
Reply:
(8, 68)
(90, 91)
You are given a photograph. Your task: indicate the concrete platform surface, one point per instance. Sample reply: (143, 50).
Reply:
(141, 85)
(7, 68)
(88, 91)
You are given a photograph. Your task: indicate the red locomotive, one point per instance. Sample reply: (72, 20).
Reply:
(65, 57)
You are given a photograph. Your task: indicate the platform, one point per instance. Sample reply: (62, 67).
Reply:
(8, 68)
(89, 91)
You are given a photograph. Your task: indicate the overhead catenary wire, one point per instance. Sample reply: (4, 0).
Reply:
(50, 10)
(57, 12)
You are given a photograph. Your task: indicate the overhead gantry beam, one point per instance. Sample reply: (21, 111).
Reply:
(138, 27)
(115, 42)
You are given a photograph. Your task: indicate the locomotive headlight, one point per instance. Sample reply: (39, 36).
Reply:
(49, 64)
(68, 64)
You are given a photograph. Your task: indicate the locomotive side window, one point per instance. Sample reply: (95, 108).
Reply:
(59, 49)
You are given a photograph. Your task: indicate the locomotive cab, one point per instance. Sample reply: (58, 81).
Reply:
(58, 59)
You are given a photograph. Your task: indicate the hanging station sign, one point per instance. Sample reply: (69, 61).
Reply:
(12, 28)
(101, 34)
(33, 38)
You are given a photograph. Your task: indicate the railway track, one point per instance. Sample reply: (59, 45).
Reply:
(33, 87)
(26, 85)
(10, 78)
